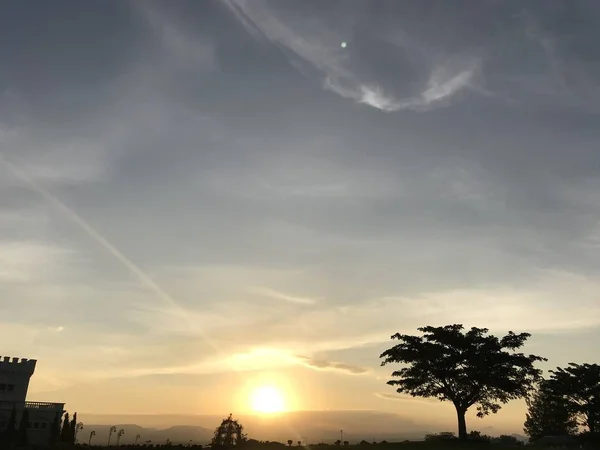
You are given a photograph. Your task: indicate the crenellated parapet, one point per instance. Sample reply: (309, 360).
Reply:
(21, 365)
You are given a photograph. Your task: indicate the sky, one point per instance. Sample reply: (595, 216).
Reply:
(201, 198)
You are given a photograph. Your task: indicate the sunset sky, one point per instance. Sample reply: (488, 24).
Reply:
(202, 198)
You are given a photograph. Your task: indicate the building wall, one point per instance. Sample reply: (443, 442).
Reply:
(40, 424)
(15, 374)
(14, 378)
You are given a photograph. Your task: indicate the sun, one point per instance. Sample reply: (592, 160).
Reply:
(267, 399)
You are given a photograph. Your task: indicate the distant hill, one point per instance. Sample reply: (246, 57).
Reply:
(177, 434)
(314, 426)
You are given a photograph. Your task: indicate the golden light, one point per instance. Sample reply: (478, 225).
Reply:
(267, 400)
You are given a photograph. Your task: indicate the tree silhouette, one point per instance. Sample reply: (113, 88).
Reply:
(467, 369)
(579, 385)
(338, 443)
(23, 425)
(73, 428)
(290, 442)
(548, 414)
(66, 429)
(230, 433)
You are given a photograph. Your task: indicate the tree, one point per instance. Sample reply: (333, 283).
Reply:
(548, 414)
(290, 442)
(338, 443)
(73, 429)
(579, 386)
(66, 429)
(23, 425)
(230, 433)
(467, 369)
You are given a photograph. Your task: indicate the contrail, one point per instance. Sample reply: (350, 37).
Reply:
(104, 243)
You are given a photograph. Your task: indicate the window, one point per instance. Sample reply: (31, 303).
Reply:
(2, 387)
(43, 425)
(11, 387)
(36, 425)
(29, 424)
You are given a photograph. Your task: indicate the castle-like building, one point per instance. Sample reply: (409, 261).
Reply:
(14, 382)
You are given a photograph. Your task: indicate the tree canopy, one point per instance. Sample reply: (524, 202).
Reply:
(548, 414)
(579, 386)
(230, 433)
(466, 368)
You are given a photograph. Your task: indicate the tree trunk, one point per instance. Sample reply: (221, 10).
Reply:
(462, 424)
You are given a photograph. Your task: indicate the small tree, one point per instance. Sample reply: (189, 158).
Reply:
(548, 414)
(23, 425)
(338, 443)
(66, 429)
(579, 386)
(73, 429)
(290, 442)
(467, 369)
(230, 433)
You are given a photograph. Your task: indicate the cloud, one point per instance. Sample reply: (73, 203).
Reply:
(405, 398)
(277, 295)
(31, 262)
(440, 86)
(315, 47)
(331, 365)
(177, 40)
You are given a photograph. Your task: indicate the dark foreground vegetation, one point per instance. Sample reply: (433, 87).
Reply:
(470, 369)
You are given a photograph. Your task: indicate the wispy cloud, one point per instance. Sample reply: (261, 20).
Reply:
(332, 365)
(405, 398)
(441, 86)
(317, 48)
(278, 295)
(176, 40)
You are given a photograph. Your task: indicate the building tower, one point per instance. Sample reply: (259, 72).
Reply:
(44, 417)
(14, 379)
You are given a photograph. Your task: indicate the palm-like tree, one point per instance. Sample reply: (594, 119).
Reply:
(113, 429)
(121, 433)
(136, 439)
(92, 434)
(78, 427)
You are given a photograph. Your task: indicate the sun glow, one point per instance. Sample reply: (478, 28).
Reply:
(267, 399)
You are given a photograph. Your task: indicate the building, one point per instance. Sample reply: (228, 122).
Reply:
(15, 374)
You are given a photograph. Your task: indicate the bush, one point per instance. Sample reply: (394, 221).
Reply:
(443, 436)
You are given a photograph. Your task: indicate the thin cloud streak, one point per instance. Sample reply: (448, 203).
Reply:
(277, 295)
(319, 54)
(103, 242)
(320, 364)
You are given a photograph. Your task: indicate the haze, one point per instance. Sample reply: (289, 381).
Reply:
(203, 199)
